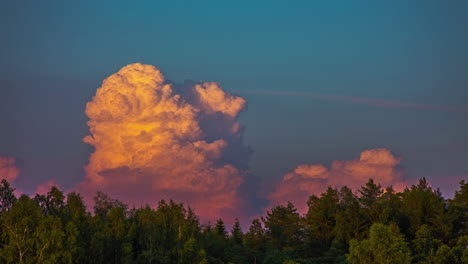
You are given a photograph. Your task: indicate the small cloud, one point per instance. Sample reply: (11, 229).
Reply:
(8, 169)
(44, 188)
(379, 164)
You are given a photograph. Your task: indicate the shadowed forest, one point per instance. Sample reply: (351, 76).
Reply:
(370, 225)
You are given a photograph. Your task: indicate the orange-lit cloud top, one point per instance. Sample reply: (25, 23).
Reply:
(8, 169)
(154, 140)
(305, 180)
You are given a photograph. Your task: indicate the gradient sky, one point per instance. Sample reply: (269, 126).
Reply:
(324, 80)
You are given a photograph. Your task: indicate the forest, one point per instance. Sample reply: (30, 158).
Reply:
(369, 225)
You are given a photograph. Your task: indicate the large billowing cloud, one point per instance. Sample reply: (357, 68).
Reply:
(8, 169)
(305, 180)
(156, 140)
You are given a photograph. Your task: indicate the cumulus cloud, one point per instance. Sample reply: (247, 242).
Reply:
(379, 164)
(156, 140)
(8, 169)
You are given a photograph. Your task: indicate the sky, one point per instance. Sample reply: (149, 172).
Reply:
(323, 81)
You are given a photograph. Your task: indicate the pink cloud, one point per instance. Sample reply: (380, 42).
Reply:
(305, 180)
(8, 169)
(44, 188)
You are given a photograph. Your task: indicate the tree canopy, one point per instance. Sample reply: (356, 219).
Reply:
(369, 225)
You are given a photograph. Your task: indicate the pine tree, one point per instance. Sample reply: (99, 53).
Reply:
(220, 229)
(421, 205)
(350, 221)
(321, 219)
(236, 233)
(369, 193)
(285, 228)
(255, 241)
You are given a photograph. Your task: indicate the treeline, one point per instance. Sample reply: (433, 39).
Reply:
(373, 225)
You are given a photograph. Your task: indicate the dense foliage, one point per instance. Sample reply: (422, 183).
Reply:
(373, 225)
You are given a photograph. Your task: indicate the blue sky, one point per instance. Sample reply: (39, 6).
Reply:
(54, 54)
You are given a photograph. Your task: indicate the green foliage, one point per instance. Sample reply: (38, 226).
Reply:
(220, 229)
(285, 228)
(340, 226)
(425, 244)
(29, 236)
(370, 193)
(103, 204)
(384, 245)
(215, 242)
(458, 254)
(77, 229)
(290, 262)
(7, 196)
(255, 242)
(275, 256)
(350, 219)
(460, 207)
(52, 203)
(388, 208)
(461, 196)
(236, 233)
(422, 205)
(321, 219)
